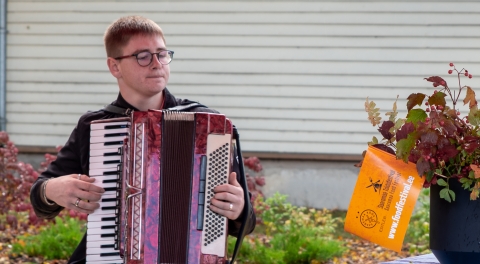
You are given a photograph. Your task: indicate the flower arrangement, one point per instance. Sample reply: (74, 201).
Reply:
(443, 144)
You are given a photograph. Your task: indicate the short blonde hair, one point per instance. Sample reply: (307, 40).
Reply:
(123, 29)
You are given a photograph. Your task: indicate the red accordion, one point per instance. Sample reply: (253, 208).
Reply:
(159, 169)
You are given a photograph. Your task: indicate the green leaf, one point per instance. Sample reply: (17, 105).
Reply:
(445, 195)
(415, 99)
(429, 176)
(452, 194)
(471, 174)
(442, 182)
(399, 123)
(474, 116)
(416, 115)
(463, 180)
(404, 146)
(466, 183)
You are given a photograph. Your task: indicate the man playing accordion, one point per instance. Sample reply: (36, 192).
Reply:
(138, 58)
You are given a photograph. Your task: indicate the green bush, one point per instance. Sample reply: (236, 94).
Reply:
(55, 241)
(418, 233)
(291, 235)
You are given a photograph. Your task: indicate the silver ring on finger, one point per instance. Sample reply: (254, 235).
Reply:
(79, 176)
(77, 201)
(230, 207)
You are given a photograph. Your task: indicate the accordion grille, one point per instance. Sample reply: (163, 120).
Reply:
(175, 190)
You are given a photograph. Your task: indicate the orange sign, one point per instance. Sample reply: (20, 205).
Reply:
(383, 199)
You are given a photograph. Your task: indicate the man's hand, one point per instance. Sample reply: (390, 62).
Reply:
(228, 199)
(76, 192)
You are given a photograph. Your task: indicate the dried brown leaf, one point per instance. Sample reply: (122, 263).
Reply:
(470, 98)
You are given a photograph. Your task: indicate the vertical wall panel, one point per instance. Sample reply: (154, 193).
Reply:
(293, 75)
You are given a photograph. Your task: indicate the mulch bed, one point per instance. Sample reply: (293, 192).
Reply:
(364, 252)
(360, 252)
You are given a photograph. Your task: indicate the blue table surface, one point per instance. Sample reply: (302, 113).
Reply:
(423, 259)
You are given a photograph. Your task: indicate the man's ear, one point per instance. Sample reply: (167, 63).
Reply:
(114, 67)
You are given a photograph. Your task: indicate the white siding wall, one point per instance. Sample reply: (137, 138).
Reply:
(292, 75)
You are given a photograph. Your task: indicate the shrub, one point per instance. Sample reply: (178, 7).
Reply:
(292, 234)
(17, 217)
(54, 241)
(418, 232)
(255, 181)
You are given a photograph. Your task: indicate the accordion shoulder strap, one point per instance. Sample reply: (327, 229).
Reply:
(126, 112)
(248, 206)
(117, 110)
(186, 107)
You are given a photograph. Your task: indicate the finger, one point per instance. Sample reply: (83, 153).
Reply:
(227, 213)
(232, 179)
(232, 214)
(90, 196)
(82, 177)
(224, 205)
(88, 206)
(89, 187)
(225, 197)
(79, 209)
(89, 179)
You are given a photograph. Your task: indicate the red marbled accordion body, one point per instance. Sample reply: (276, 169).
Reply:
(205, 124)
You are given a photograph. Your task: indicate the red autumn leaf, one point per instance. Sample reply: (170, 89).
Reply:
(385, 129)
(403, 132)
(449, 151)
(430, 137)
(470, 98)
(422, 166)
(471, 147)
(415, 99)
(384, 148)
(447, 123)
(437, 79)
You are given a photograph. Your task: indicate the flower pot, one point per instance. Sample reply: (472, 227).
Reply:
(455, 226)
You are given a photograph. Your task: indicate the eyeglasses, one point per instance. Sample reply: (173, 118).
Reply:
(145, 58)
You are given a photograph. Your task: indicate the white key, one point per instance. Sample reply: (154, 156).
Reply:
(103, 159)
(105, 178)
(104, 171)
(104, 185)
(104, 146)
(103, 166)
(99, 250)
(102, 152)
(103, 132)
(113, 261)
(97, 237)
(105, 208)
(100, 126)
(96, 258)
(100, 224)
(99, 244)
(104, 211)
(98, 230)
(99, 217)
(94, 140)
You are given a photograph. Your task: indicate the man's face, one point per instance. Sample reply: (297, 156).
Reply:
(138, 81)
